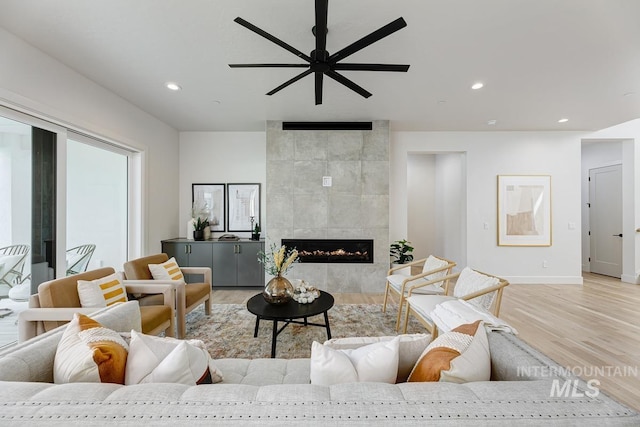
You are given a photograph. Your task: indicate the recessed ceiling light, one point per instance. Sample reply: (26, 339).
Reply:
(563, 120)
(477, 86)
(492, 122)
(629, 94)
(172, 86)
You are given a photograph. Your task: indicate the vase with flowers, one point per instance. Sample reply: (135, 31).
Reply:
(276, 263)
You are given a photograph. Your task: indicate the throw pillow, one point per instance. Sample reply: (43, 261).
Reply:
(376, 362)
(168, 360)
(471, 281)
(7, 262)
(89, 352)
(459, 356)
(102, 292)
(410, 348)
(168, 270)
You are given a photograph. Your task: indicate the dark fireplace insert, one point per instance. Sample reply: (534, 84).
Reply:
(332, 250)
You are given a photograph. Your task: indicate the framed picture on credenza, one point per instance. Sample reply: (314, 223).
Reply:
(243, 201)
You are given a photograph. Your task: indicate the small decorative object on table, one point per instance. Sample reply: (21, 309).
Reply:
(304, 293)
(255, 235)
(199, 227)
(279, 290)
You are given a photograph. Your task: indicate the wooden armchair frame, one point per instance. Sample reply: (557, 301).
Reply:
(407, 285)
(429, 324)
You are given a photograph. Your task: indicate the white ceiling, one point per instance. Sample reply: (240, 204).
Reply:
(540, 60)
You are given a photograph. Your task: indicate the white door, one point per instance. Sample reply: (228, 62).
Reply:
(605, 220)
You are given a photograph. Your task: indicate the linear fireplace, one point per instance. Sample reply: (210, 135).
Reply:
(332, 250)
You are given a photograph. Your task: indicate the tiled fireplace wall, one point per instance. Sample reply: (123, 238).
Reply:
(356, 206)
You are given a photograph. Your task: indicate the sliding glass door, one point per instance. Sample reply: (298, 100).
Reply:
(97, 194)
(65, 203)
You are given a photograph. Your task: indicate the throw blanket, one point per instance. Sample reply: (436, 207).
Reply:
(453, 313)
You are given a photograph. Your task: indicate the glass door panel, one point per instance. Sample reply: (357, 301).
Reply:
(97, 199)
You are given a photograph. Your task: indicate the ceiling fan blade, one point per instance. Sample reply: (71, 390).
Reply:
(322, 7)
(370, 67)
(272, 39)
(348, 83)
(288, 82)
(269, 65)
(378, 34)
(319, 78)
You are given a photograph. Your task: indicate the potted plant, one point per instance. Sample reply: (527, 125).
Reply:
(255, 235)
(198, 228)
(401, 253)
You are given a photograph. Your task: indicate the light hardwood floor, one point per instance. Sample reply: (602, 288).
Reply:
(596, 325)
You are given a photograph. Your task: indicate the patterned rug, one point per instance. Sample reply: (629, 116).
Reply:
(228, 332)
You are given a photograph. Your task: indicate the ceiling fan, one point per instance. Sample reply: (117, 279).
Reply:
(320, 62)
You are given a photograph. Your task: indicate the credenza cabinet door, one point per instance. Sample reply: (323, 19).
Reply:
(225, 268)
(247, 257)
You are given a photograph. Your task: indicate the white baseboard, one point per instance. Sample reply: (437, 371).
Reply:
(629, 278)
(544, 280)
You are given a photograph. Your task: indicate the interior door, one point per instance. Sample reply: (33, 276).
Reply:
(605, 220)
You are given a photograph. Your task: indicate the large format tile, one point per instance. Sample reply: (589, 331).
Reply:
(345, 145)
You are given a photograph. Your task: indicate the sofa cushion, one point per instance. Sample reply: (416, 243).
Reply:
(409, 350)
(461, 355)
(168, 270)
(89, 352)
(102, 292)
(168, 360)
(376, 362)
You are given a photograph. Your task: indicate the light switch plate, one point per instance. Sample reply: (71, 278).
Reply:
(326, 181)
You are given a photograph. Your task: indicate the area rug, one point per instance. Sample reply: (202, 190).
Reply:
(228, 332)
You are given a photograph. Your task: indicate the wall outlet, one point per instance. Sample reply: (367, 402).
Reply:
(545, 264)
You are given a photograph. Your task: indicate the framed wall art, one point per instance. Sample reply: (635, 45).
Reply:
(524, 210)
(208, 200)
(244, 205)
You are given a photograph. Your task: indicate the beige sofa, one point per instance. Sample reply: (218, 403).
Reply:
(277, 392)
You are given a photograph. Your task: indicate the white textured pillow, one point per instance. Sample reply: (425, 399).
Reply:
(459, 356)
(376, 362)
(168, 360)
(433, 263)
(89, 352)
(471, 281)
(168, 270)
(409, 350)
(102, 292)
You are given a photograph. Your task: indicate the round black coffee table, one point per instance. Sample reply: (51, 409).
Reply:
(288, 313)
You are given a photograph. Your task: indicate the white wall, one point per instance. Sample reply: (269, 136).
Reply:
(489, 154)
(220, 158)
(33, 82)
(451, 203)
(421, 204)
(629, 135)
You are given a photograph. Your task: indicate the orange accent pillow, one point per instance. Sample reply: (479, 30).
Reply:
(461, 355)
(89, 352)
